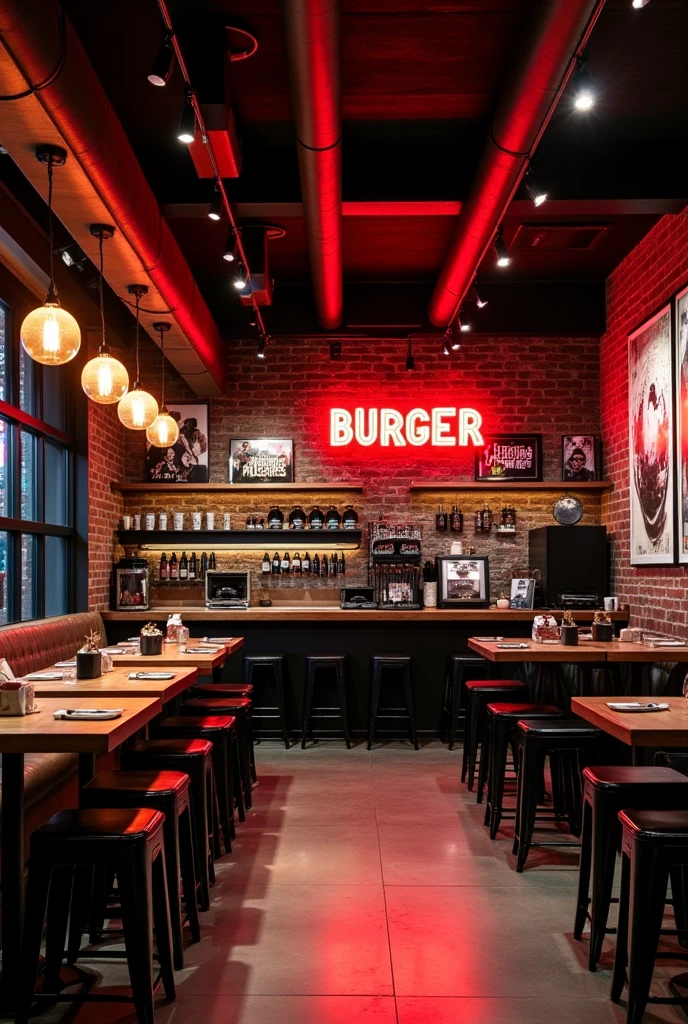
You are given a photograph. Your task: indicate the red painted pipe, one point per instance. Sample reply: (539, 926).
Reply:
(558, 29)
(314, 53)
(80, 110)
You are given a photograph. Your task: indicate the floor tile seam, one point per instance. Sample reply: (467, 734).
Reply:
(384, 894)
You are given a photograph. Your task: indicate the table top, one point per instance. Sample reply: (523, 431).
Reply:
(647, 729)
(117, 684)
(40, 733)
(587, 651)
(620, 652)
(212, 658)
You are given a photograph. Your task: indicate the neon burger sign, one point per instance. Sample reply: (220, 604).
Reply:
(443, 426)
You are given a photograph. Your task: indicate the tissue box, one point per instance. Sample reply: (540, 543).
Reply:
(16, 697)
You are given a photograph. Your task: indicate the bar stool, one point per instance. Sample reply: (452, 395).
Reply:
(606, 791)
(128, 842)
(401, 664)
(194, 758)
(564, 741)
(221, 731)
(480, 693)
(654, 847)
(240, 707)
(222, 690)
(325, 662)
(275, 664)
(500, 730)
(454, 697)
(167, 792)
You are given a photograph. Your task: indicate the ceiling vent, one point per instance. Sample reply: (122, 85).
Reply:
(559, 237)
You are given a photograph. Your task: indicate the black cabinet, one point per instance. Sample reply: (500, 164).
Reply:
(572, 560)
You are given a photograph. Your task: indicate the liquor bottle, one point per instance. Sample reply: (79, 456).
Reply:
(275, 518)
(193, 566)
(316, 520)
(342, 564)
(183, 567)
(296, 563)
(323, 566)
(487, 518)
(350, 518)
(276, 565)
(286, 562)
(441, 520)
(306, 564)
(456, 520)
(204, 565)
(478, 519)
(333, 564)
(267, 565)
(163, 572)
(332, 518)
(174, 567)
(315, 565)
(212, 561)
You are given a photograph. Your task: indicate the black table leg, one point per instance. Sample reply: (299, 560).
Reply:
(12, 861)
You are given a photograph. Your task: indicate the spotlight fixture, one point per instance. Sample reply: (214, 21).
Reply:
(240, 281)
(137, 410)
(480, 302)
(536, 194)
(215, 208)
(640, 3)
(72, 256)
(49, 334)
(262, 345)
(229, 252)
(104, 379)
(503, 257)
(584, 94)
(335, 350)
(163, 65)
(447, 342)
(463, 325)
(164, 430)
(253, 321)
(187, 121)
(410, 361)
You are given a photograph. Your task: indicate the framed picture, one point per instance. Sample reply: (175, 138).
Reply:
(265, 460)
(509, 457)
(186, 461)
(651, 455)
(578, 457)
(681, 313)
(522, 593)
(463, 580)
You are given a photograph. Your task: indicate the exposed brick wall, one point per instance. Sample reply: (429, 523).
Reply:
(105, 463)
(647, 278)
(548, 386)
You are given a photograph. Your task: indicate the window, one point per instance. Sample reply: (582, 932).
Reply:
(36, 470)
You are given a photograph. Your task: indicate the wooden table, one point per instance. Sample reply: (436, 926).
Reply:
(118, 684)
(210, 662)
(650, 729)
(41, 733)
(586, 651)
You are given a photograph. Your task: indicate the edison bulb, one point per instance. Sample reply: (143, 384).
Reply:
(137, 410)
(104, 379)
(50, 335)
(163, 431)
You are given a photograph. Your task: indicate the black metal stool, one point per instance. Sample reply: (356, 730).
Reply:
(126, 842)
(327, 662)
(241, 708)
(221, 690)
(275, 665)
(454, 696)
(194, 757)
(654, 848)
(500, 731)
(400, 663)
(480, 693)
(569, 743)
(606, 791)
(167, 792)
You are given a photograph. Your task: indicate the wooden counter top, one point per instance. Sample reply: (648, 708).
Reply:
(330, 613)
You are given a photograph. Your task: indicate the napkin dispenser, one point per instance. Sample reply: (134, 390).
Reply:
(16, 697)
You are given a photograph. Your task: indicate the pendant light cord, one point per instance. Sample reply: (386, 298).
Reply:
(52, 291)
(103, 345)
(138, 374)
(162, 383)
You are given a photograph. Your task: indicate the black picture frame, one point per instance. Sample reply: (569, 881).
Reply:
(522, 593)
(449, 594)
(488, 458)
(575, 446)
(248, 457)
(189, 461)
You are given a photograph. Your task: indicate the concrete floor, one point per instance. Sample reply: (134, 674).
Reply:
(363, 887)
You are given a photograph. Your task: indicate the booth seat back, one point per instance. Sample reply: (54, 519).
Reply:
(31, 646)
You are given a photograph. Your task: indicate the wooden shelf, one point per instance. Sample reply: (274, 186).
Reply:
(237, 540)
(236, 488)
(514, 485)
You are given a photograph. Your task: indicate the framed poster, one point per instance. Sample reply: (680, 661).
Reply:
(186, 461)
(509, 457)
(682, 422)
(578, 457)
(463, 580)
(651, 456)
(265, 460)
(522, 593)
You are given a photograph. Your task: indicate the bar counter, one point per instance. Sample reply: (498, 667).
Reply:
(331, 613)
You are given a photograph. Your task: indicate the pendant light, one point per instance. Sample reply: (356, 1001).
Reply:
(49, 334)
(137, 409)
(164, 430)
(104, 379)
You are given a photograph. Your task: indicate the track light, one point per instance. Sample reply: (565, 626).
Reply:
(215, 208)
(262, 345)
(72, 256)
(584, 94)
(163, 65)
(480, 302)
(187, 121)
(463, 326)
(536, 194)
(640, 3)
(447, 342)
(229, 252)
(335, 350)
(240, 281)
(410, 361)
(503, 257)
